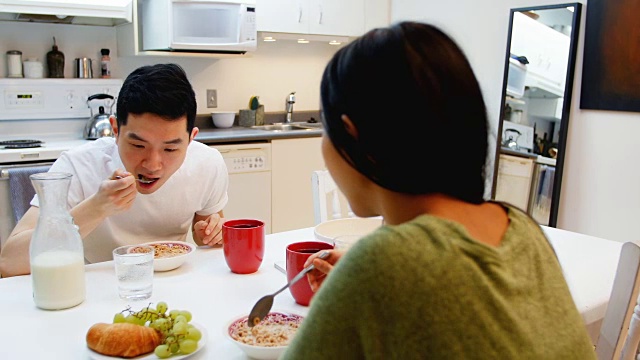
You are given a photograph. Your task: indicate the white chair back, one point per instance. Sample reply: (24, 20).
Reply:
(620, 331)
(328, 201)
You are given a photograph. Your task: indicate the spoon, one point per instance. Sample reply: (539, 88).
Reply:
(262, 307)
(139, 180)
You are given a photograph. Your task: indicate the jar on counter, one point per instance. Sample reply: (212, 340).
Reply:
(14, 64)
(33, 69)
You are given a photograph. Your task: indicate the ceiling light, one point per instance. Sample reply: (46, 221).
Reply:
(308, 38)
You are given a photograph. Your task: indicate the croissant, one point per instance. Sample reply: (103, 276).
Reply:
(122, 339)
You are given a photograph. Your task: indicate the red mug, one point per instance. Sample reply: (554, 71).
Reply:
(243, 244)
(297, 254)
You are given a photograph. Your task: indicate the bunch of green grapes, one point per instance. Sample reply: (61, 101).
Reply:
(179, 336)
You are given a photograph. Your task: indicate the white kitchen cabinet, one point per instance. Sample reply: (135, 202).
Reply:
(547, 51)
(514, 180)
(321, 17)
(545, 108)
(292, 163)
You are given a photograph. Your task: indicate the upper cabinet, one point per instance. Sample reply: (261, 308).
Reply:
(75, 12)
(321, 17)
(547, 51)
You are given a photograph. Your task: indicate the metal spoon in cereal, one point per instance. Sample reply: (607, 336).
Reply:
(262, 307)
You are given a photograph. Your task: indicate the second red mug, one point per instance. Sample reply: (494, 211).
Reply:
(297, 254)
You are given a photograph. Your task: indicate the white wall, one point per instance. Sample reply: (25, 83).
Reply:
(272, 72)
(601, 181)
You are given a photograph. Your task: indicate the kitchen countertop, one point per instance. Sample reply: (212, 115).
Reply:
(507, 151)
(246, 134)
(52, 148)
(537, 158)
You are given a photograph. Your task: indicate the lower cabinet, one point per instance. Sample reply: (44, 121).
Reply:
(292, 162)
(514, 180)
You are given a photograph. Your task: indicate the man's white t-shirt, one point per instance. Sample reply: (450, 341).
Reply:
(199, 186)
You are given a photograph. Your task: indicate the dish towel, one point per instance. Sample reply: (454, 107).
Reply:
(20, 189)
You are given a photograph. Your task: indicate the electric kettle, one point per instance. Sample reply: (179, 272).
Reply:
(98, 125)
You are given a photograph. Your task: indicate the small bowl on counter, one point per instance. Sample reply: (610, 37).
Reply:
(223, 119)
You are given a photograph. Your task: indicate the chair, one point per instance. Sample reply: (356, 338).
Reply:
(328, 201)
(620, 331)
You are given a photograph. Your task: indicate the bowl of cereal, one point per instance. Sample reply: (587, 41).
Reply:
(268, 339)
(169, 255)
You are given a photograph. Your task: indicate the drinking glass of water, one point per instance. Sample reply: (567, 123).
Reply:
(134, 270)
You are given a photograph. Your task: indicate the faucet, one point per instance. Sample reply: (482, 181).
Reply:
(291, 99)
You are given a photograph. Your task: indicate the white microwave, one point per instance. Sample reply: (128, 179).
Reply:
(227, 26)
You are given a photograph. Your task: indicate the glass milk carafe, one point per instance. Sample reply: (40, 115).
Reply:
(56, 252)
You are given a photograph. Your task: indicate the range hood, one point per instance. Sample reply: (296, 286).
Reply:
(79, 12)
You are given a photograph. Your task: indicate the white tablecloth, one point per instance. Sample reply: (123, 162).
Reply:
(214, 295)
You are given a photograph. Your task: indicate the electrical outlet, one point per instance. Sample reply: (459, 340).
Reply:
(212, 98)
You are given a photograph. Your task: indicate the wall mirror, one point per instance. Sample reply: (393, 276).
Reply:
(534, 116)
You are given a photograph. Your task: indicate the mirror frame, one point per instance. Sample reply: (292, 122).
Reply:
(566, 103)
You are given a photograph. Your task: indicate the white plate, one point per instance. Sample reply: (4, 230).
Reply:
(151, 356)
(329, 230)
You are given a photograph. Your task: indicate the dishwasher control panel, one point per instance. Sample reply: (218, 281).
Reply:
(246, 163)
(243, 158)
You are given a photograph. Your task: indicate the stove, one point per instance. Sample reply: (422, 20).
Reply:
(41, 118)
(20, 144)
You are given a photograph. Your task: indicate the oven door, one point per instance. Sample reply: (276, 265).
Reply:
(17, 173)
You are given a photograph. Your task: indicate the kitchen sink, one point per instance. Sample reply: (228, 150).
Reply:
(295, 126)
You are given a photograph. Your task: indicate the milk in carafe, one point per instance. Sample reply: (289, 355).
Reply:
(56, 252)
(58, 279)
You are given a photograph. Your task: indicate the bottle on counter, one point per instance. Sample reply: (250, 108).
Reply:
(56, 251)
(105, 64)
(55, 62)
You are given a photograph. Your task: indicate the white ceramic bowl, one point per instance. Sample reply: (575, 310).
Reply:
(170, 255)
(256, 351)
(329, 230)
(223, 119)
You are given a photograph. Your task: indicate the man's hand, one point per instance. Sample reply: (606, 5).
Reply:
(116, 194)
(209, 231)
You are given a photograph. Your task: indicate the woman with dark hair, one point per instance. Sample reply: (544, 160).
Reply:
(450, 275)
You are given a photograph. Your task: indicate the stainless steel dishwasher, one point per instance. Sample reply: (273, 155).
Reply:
(249, 167)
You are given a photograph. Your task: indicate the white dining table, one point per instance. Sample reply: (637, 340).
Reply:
(205, 286)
